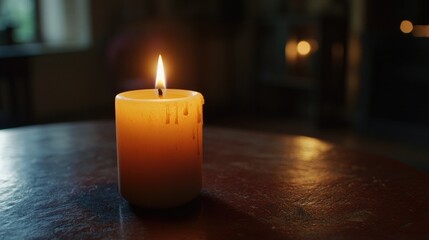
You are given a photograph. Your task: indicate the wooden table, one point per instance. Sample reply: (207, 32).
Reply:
(60, 181)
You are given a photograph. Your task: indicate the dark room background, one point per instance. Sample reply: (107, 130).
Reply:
(326, 64)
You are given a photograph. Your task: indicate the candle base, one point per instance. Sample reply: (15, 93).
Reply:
(156, 202)
(192, 208)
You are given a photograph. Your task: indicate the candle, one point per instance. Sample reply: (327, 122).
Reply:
(159, 143)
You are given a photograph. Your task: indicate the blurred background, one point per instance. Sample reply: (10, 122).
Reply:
(353, 72)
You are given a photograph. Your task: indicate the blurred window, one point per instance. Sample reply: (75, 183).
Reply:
(18, 21)
(57, 23)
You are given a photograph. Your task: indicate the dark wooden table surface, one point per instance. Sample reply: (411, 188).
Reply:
(59, 181)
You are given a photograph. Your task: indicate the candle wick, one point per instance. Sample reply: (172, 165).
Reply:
(160, 92)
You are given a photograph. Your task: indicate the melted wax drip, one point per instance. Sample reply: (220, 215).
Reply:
(185, 110)
(167, 115)
(198, 143)
(199, 117)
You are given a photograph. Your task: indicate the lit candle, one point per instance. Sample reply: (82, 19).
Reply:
(159, 143)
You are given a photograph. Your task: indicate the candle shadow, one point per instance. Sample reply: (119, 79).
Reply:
(206, 217)
(187, 211)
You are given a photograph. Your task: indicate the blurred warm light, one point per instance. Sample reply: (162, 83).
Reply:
(303, 47)
(293, 48)
(290, 50)
(406, 26)
(160, 76)
(421, 31)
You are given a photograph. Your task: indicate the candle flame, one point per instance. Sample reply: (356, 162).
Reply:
(160, 76)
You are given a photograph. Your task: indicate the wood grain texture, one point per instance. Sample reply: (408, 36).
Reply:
(60, 181)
